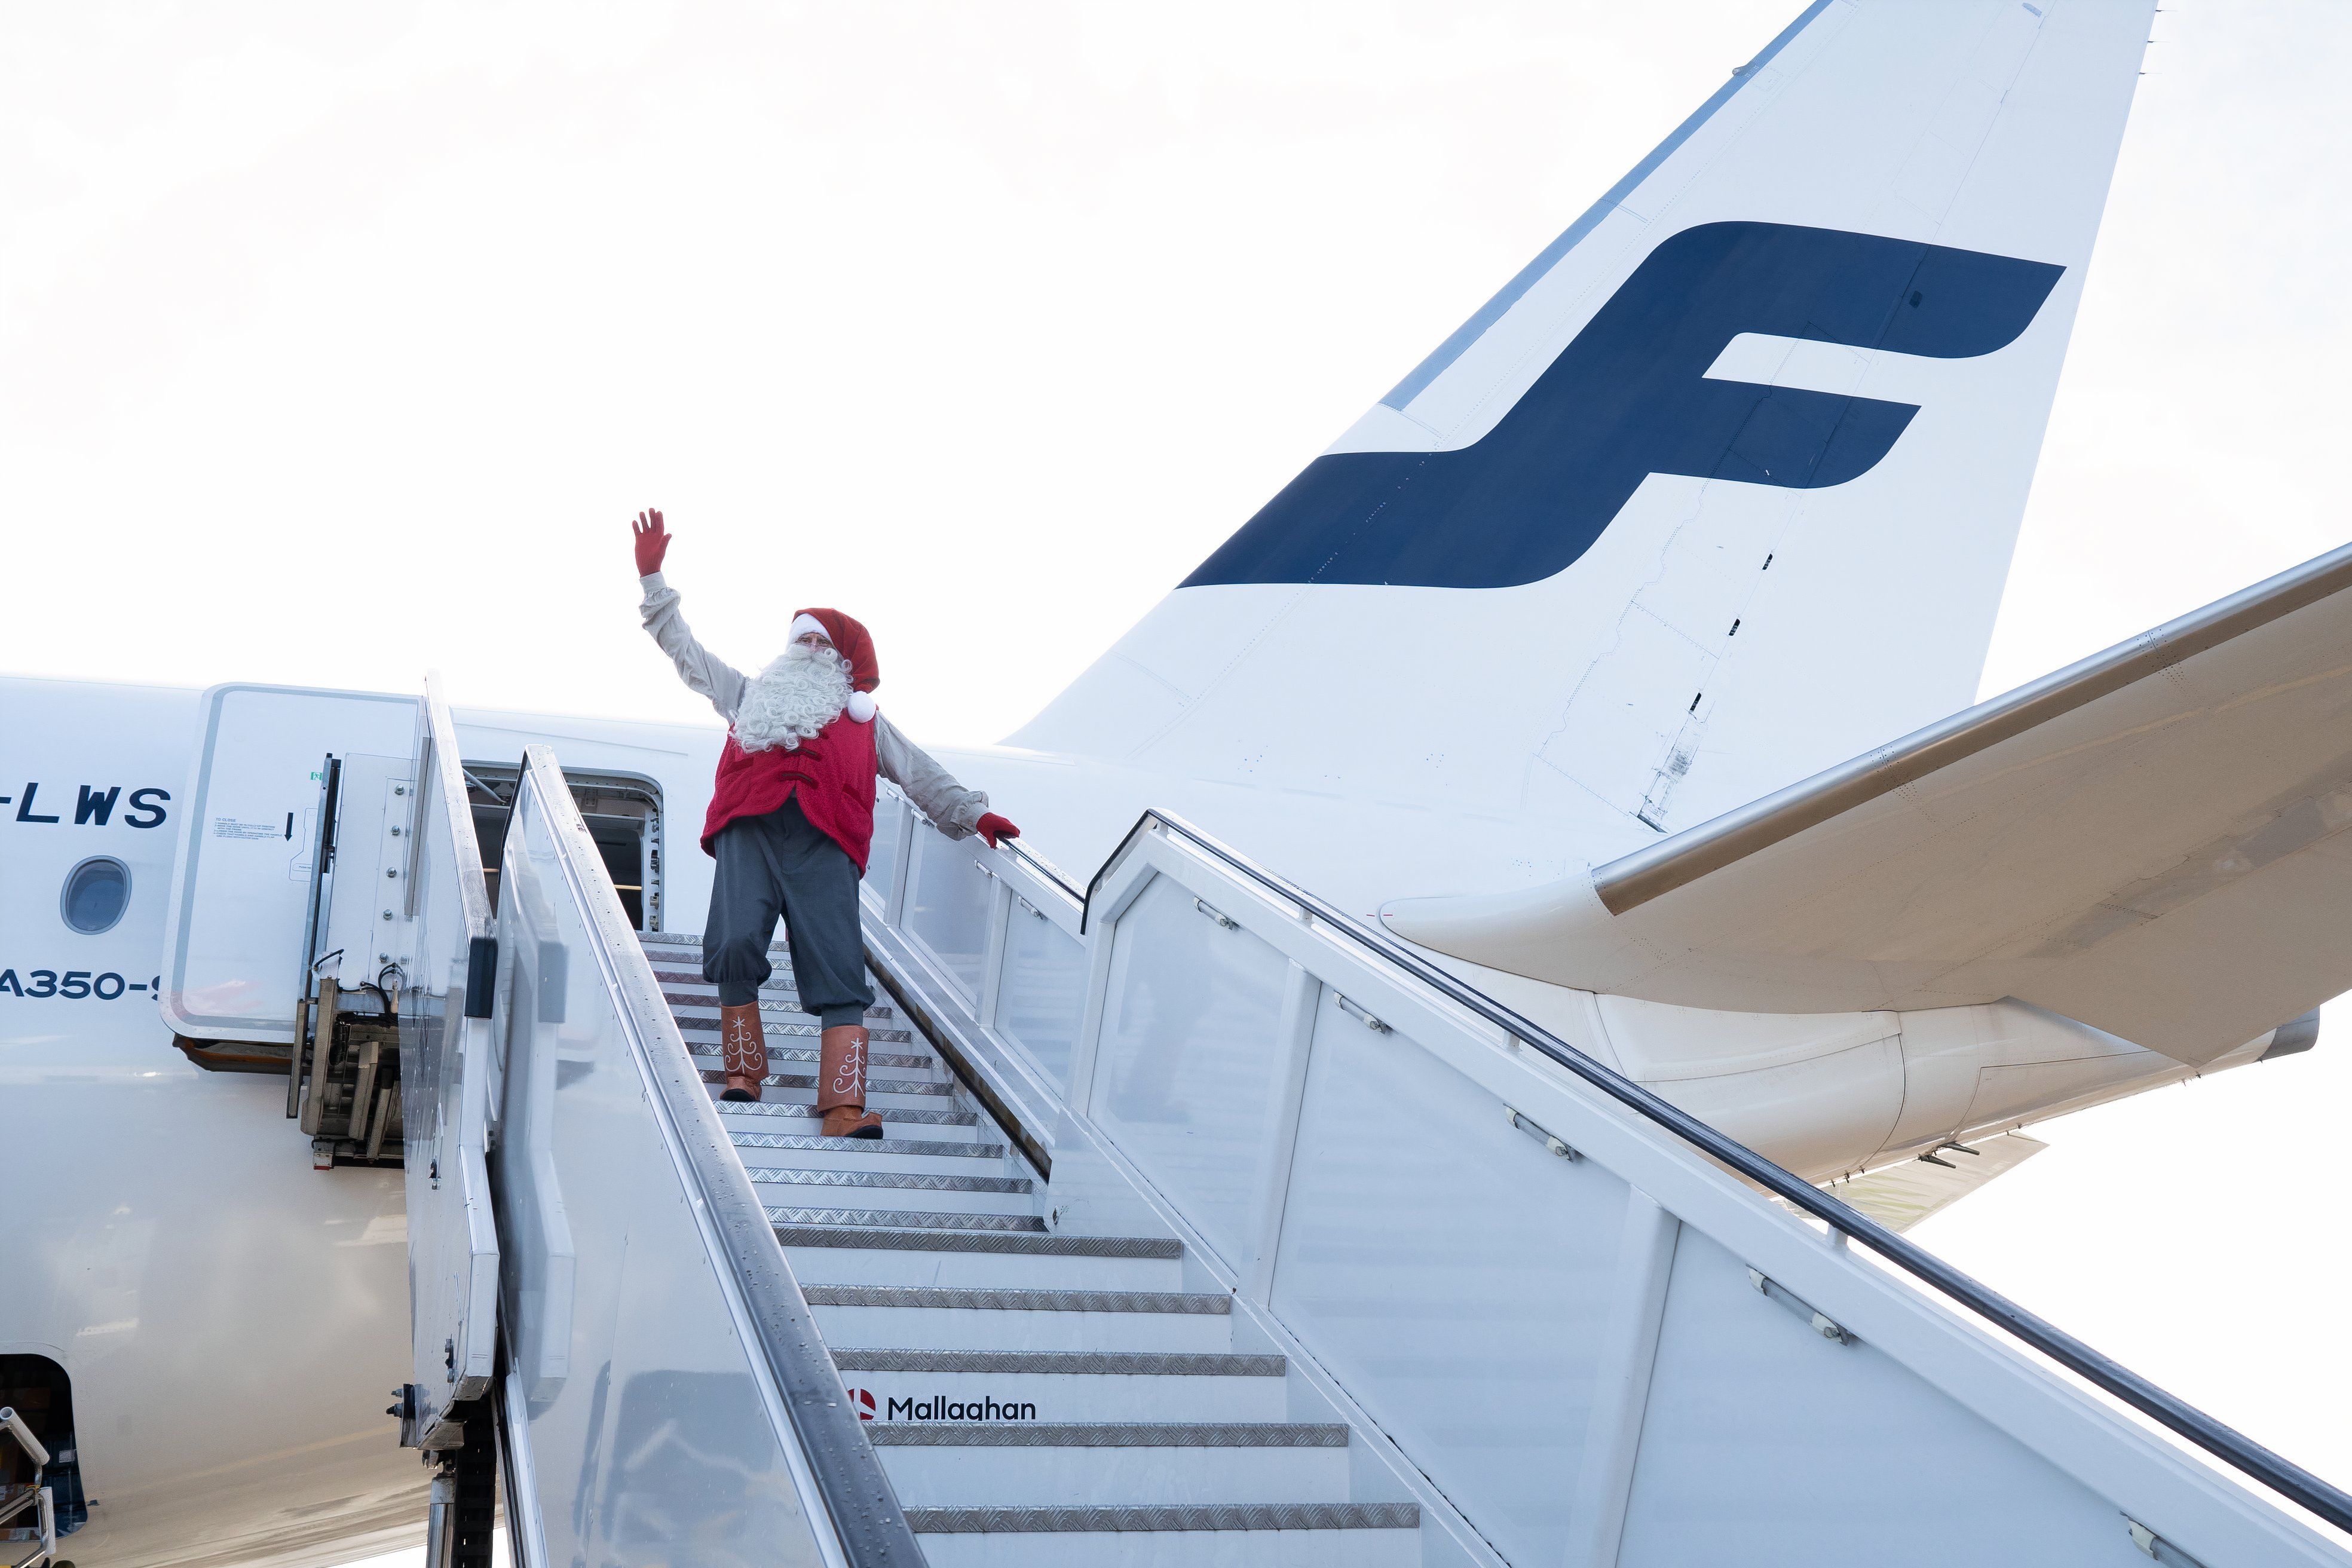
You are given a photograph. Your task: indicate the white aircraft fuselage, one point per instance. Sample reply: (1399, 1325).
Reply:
(234, 1322)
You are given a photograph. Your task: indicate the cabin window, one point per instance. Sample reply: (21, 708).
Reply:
(96, 893)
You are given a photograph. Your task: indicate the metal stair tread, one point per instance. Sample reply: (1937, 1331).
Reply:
(696, 1022)
(1044, 1245)
(808, 1112)
(1164, 1517)
(873, 1085)
(918, 1219)
(672, 970)
(691, 980)
(771, 1001)
(673, 965)
(941, 1148)
(694, 1013)
(702, 1039)
(912, 1181)
(677, 938)
(702, 996)
(967, 1298)
(1065, 1363)
(873, 1058)
(1107, 1434)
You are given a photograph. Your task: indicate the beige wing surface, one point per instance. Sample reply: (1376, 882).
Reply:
(2151, 841)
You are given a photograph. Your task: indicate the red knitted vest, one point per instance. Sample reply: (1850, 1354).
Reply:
(832, 775)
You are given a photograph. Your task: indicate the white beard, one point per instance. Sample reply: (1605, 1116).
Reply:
(796, 696)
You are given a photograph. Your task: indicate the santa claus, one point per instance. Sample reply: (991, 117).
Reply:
(791, 817)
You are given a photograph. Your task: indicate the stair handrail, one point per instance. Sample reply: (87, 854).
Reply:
(861, 1507)
(1046, 869)
(2225, 1443)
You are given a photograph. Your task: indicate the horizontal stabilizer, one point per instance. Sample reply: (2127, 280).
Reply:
(2150, 841)
(1900, 1196)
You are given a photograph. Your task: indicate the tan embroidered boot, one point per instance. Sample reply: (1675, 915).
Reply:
(841, 1084)
(742, 1051)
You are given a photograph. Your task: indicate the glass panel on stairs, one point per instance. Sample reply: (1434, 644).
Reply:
(1454, 1276)
(1044, 990)
(1184, 1077)
(946, 908)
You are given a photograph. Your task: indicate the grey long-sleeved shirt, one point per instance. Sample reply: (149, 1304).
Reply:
(951, 808)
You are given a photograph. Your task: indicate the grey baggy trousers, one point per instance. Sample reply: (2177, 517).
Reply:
(780, 864)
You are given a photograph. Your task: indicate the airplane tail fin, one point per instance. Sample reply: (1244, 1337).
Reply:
(1721, 487)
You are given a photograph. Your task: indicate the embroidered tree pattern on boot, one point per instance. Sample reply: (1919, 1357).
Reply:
(742, 1051)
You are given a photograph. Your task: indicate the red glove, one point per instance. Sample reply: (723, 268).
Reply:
(993, 828)
(652, 542)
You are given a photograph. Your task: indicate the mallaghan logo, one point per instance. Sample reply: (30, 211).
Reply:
(939, 1407)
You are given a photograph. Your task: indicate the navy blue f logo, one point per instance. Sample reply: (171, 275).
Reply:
(1630, 398)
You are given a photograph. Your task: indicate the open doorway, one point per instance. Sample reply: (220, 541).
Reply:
(624, 816)
(38, 1391)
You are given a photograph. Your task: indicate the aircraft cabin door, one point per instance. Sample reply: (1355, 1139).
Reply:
(283, 773)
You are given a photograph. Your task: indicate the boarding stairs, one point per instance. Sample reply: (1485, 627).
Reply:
(1035, 1399)
(1256, 1238)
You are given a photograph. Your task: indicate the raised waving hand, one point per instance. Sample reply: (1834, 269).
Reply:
(651, 541)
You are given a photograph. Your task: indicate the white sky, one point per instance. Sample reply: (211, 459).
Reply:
(338, 341)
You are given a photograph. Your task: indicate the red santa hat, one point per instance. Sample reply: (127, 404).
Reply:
(854, 643)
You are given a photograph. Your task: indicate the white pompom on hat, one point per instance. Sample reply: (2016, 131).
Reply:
(861, 709)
